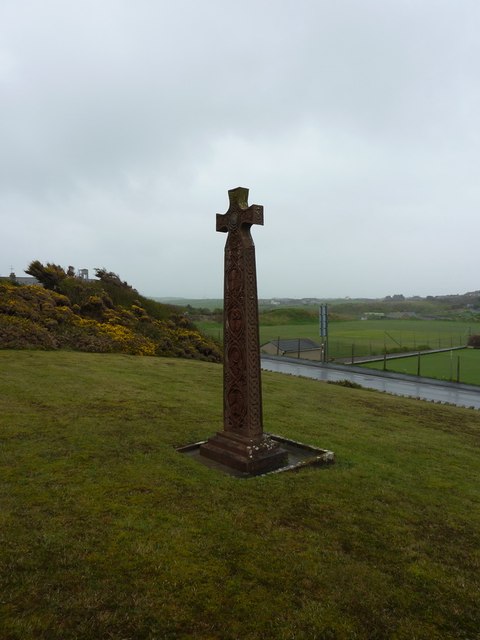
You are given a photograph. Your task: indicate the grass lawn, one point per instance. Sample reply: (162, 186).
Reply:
(443, 366)
(107, 532)
(368, 336)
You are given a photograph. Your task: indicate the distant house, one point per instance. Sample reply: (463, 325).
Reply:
(401, 315)
(19, 279)
(26, 280)
(372, 315)
(303, 348)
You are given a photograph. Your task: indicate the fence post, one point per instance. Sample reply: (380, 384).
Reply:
(458, 368)
(418, 364)
(353, 352)
(385, 360)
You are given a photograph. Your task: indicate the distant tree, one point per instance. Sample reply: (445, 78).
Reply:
(474, 341)
(103, 274)
(71, 272)
(111, 278)
(50, 275)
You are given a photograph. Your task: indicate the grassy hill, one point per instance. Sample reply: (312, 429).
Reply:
(103, 315)
(107, 532)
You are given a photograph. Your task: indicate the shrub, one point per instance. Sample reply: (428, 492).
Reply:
(474, 341)
(93, 307)
(23, 333)
(50, 275)
(346, 383)
(100, 316)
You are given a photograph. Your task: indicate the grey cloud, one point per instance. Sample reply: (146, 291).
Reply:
(355, 123)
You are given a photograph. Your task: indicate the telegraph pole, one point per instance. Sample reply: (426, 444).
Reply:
(323, 329)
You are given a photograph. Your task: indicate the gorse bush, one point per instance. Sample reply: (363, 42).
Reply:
(24, 333)
(102, 316)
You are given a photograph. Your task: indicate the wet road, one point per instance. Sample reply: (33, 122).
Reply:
(424, 388)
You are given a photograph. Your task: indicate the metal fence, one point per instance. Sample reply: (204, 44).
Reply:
(341, 348)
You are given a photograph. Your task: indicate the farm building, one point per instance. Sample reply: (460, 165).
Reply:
(19, 279)
(293, 348)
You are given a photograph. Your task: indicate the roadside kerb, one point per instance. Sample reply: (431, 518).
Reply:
(376, 373)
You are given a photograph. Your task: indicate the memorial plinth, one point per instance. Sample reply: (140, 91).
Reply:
(242, 444)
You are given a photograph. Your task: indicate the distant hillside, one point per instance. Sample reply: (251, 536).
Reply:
(197, 304)
(277, 311)
(289, 315)
(104, 315)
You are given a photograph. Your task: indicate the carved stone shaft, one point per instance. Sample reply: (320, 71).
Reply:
(242, 444)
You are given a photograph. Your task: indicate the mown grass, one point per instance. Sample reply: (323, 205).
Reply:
(448, 365)
(107, 532)
(374, 336)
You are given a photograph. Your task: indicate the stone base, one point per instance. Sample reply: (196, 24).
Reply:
(245, 454)
(299, 456)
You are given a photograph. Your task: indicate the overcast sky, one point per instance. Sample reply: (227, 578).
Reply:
(355, 123)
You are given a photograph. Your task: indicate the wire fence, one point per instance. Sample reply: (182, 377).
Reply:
(450, 365)
(344, 347)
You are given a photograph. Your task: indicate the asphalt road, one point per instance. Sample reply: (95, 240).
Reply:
(401, 385)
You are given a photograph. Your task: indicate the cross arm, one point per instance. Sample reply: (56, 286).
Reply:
(239, 212)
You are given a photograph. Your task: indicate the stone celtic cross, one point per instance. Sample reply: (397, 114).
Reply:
(242, 444)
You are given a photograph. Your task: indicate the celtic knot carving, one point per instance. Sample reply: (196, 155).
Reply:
(242, 384)
(242, 444)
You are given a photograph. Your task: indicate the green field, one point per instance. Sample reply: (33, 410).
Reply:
(459, 366)
(107, 532)
(369, 337)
